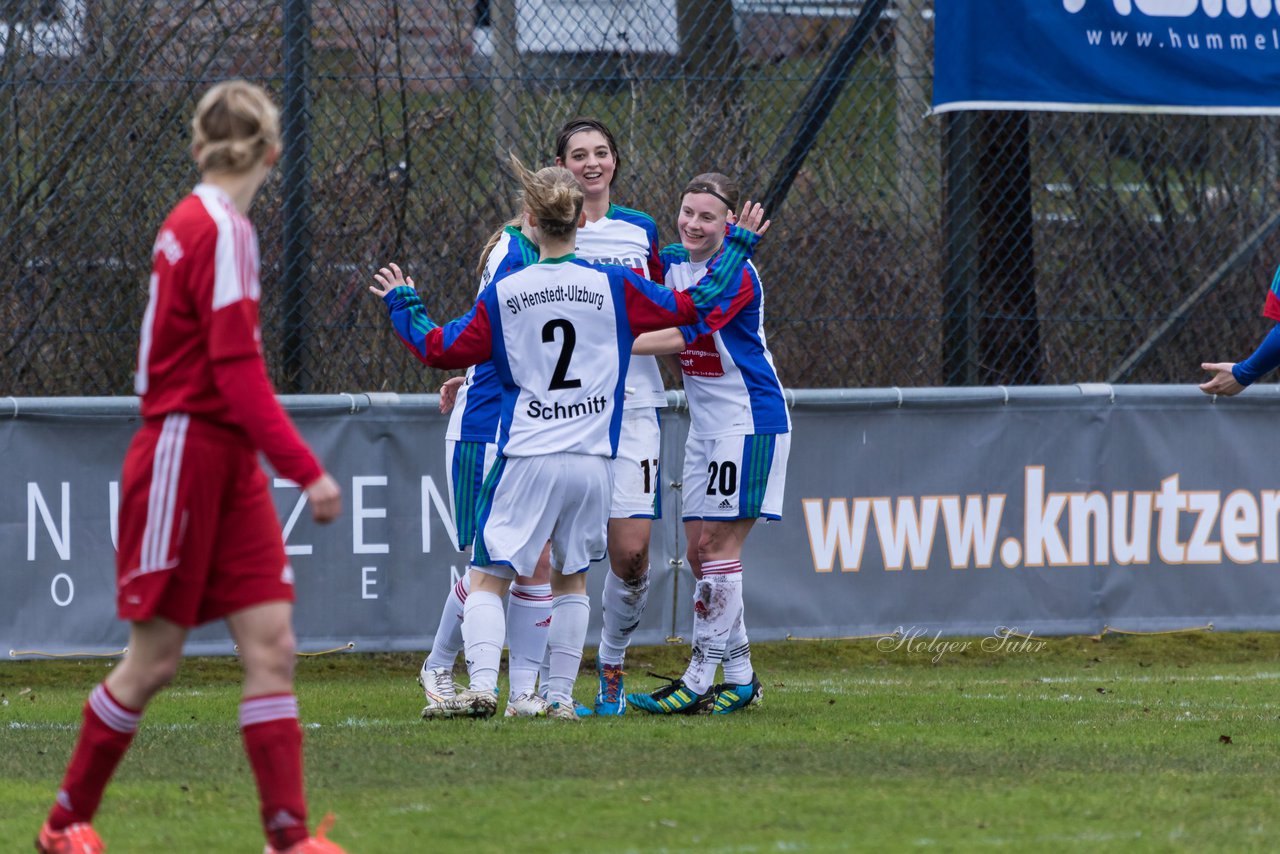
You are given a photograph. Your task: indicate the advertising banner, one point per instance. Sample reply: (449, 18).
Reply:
(1049, 510)
(1172, 56)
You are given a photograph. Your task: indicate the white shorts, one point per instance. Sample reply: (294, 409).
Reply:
(529, 500)
(466, 465)
(637, 493)
(735, 477)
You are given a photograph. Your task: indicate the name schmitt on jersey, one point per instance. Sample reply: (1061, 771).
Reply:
(560, 293)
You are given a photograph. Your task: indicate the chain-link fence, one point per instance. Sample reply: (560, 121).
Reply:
(970, 248)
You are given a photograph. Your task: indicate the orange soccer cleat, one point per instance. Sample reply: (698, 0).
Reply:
(317, 844)
(78, 838)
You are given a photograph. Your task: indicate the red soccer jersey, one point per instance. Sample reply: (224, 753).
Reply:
(200, 333)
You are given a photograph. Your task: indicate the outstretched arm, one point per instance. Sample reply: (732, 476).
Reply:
(458, 344)
(1233, 377)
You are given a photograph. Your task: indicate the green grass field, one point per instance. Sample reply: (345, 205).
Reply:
(1128, 743)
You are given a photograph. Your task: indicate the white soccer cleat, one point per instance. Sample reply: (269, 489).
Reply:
(437, 685)
(526, 705)
(563, 712)
(471, 704)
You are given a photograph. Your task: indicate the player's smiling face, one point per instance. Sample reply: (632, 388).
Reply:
(588, 156)
(701, 224)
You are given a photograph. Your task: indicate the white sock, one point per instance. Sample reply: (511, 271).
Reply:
(717, 601)
(483, 627)
(528, 618)
(544, 672)
(737, 656)
(568, 632)
(623, 603)
(448, 642)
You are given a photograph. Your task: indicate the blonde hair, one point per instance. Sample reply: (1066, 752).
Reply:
(492, 242)
(552, 195)
(234, 126)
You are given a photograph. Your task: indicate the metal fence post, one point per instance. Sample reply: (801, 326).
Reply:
(296, 192)
(805, 123)
(504, 73)
(960, 262)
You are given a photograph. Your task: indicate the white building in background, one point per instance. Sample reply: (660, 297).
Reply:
(44, 28)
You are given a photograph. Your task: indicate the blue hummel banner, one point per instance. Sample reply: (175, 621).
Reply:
(1170, 56)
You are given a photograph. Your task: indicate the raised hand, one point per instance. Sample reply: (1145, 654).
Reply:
(751, 218)
(389, 278)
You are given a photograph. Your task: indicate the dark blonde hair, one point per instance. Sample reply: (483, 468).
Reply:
(235, 125)
(721, 186)
(492, 242)
(552, 195)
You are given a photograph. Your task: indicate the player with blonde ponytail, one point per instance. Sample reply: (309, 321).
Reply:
(199, 537)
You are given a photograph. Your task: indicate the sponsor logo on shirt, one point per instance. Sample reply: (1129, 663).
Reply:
(701, 358)
(636, 264)
(167, 244)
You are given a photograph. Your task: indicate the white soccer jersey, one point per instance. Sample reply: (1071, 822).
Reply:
(629, 238)
(474, 417)
(567, 369)
(559, 333)
(729, 378)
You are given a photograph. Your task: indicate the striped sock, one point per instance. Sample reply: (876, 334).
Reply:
(448, 640)
(717, 601)
(737, 657)
(273, 743)
(528, 618)
(105, 735)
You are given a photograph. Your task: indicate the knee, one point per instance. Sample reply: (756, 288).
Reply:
(272, 654)
(158, 673)
(137, 680)
(630, 560)
(710, 547)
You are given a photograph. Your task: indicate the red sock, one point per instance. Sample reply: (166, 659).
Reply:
(273, 741)
(105, 735)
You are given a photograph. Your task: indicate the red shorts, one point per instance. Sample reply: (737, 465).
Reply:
(199, 535)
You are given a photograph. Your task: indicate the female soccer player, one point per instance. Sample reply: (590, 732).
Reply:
(560, 334)
(629, 238)
(199, 535)
(473, 404)
(735, 460)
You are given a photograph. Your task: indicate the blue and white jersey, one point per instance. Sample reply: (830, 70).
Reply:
(479, 404)
(729, 378)
(628, 238)
(559, 333)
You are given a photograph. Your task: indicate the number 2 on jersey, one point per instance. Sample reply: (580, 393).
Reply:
(568, 338)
